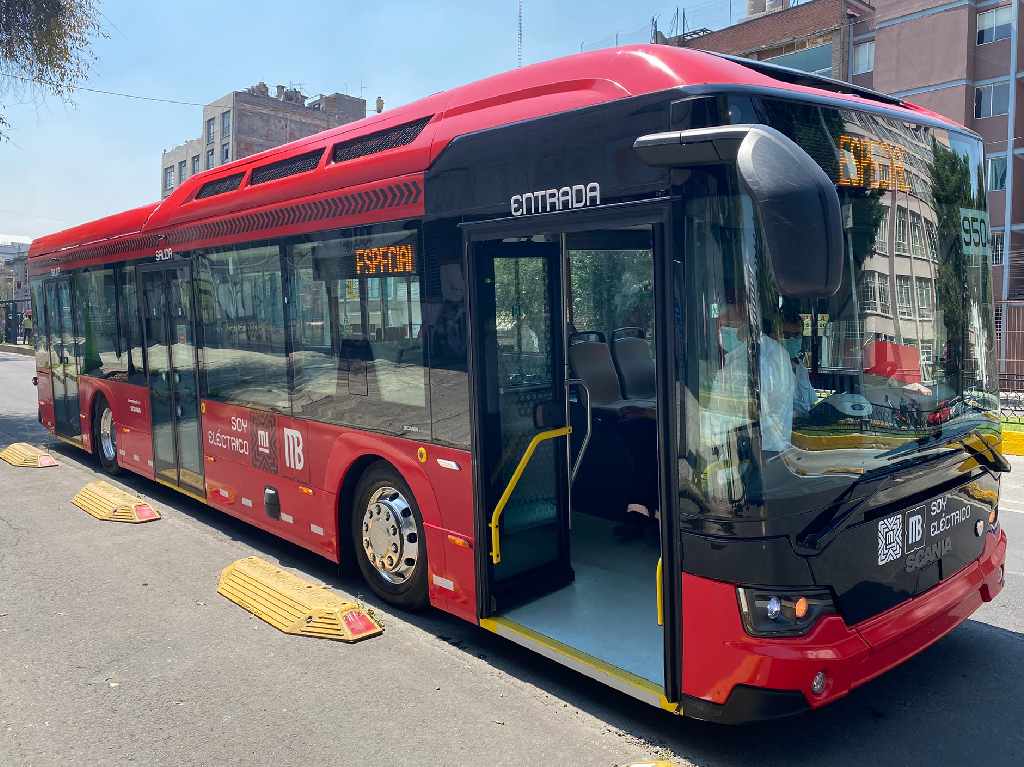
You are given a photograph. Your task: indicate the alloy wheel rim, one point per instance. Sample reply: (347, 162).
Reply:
(107, 439)
(390, 536)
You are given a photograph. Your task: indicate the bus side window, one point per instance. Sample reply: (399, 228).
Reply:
(129, 331)
(242, 311)
(445, 316)
(96, 323)
(356, 330)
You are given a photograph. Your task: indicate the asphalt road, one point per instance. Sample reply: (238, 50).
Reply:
(115, 648)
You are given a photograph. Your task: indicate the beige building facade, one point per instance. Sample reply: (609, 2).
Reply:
(243, 123)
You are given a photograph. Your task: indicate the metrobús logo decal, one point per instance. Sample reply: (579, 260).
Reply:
(293, 457)
(890, 539)
(917, 533)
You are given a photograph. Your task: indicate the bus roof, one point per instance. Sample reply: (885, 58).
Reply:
(407, 139)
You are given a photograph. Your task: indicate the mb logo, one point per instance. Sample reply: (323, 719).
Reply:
(293, 457)
(915, 529)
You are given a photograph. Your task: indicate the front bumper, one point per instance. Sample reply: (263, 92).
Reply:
(729, 676)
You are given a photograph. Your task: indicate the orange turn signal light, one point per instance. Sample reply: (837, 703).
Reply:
(800, 607)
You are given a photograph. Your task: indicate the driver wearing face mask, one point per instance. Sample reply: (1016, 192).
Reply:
(733, 384)
(793, 340)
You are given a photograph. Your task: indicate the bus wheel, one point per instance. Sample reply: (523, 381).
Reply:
(104, 436)
(387, 532)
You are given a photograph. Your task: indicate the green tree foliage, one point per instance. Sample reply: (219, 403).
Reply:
(951, 187)
(45, 47)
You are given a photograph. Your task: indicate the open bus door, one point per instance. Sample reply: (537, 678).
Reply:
(574, 559)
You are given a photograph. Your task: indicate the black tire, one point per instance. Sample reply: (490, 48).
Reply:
(106, 453)
(404, 584)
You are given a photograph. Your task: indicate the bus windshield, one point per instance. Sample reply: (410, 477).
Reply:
(797, 398)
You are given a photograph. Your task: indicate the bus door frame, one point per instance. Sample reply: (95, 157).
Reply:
(180, 269)
(663, 215)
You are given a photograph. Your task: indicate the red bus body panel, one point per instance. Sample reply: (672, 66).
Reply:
(44, 392)
(239, 465)
(719, 654)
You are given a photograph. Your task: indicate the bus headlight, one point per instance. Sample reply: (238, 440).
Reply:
(782, 612)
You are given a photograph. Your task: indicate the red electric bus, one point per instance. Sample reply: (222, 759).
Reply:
(585, 353)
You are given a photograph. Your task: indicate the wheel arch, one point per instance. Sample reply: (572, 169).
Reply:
(353, 454)
(89, 397)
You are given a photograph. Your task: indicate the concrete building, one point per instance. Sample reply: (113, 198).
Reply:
(14, 283)
(962, 59)
(243, 123)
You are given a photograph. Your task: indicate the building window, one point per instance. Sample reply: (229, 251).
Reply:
(995, 25)
(996, 246)
(209, 159)
(225, 153)
(875, 293)
(181, 171)
(169, 177)
(927, 352)
(901, 230)
(996, 174)
(209, 131)
(195, 164)
(916, 234)
(225, 124)
(904, 296)
(863, 58)
(991, 100)
(931, 240)
(882, 233)
(924, 297)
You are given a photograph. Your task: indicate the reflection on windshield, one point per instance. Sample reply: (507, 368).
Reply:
(903, 352)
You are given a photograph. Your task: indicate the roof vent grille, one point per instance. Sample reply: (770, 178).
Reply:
(220, 186)
(381, 141)
(300, 163)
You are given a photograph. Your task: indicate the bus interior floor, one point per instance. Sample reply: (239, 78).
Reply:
(610, 610)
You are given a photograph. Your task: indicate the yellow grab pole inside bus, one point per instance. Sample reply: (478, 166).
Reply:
(543, 436)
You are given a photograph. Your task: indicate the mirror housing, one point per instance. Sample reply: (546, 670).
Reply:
(795, 201)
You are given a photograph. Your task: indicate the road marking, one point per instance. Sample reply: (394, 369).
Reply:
(1006, 507)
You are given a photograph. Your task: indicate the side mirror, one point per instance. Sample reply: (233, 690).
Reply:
(794, 199)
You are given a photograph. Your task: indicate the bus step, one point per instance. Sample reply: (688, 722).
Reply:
(26, 456)
(109, 503)
(292, 604)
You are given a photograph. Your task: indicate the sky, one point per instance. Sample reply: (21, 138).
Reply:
(67, 164)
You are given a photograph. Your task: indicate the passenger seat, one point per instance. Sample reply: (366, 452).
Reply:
(591, 361)
(635, 363)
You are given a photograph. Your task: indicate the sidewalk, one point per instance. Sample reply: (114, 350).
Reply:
(25, 349)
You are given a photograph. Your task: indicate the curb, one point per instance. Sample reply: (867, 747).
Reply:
(1013, 442)
(27, 351)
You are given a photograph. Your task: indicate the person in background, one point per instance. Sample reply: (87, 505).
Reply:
(26, 327)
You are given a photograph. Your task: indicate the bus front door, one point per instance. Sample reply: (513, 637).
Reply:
(524, 482)
(172, 375)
